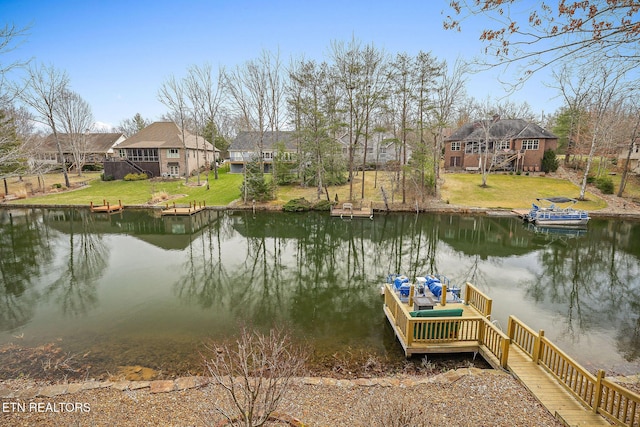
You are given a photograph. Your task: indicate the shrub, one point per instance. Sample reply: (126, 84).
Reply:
(605, 184)
(57, 185)
(92, 167)
(135, 177)
(297, 205)
(549, 161)
(591, 179)
(106, 177)
(255, 374)
(322, 205)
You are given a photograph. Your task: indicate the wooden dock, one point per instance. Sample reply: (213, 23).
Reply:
(349, 211)
(522, 213)
(571, 393)
(183, 210)
(106, 207)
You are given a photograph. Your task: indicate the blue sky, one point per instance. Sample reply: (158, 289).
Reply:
(118, 53)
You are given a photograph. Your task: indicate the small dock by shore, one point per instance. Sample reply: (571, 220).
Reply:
(107, 207)
(349, 211)
(183, 210)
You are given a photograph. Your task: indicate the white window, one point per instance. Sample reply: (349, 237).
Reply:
(455, 146)
(173, 153)
(267, 155)
(503, 145)
(530, 144)
(123, 152)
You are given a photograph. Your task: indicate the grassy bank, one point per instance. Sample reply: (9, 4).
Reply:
(502, 192)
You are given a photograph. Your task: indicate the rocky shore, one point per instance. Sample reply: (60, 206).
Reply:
(462, 397)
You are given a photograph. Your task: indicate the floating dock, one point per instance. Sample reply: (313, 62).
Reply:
(183, 210)
(106, 207)
(349, 211)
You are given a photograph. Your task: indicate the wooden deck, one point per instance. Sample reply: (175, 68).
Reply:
(571, 393)
(106, 207)
(183, 210)
(522, 213)
(349, 211)
(549, 392)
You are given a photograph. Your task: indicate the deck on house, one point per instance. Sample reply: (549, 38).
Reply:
(348, 210)
(183, 210)
(106, 207)
(566, 389)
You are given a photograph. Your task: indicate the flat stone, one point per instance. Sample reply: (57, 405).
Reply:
(28, 393)
(162, 386)
(312, 381)
(74, 388)
(6, 393)
(121, 385)
(53, 390)
(185, 383)
(364, 382)
(91, 385)
(137, 385)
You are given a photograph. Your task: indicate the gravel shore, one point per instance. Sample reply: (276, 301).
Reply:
(462, 397)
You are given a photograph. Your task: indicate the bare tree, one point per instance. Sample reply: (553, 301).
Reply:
(133, 125)
(255, 375)
(210, 100)
(75, 121)
(564, 31)
(45, 88)
(172, 94)
(449, 92)
(631, 129)
(605, 85)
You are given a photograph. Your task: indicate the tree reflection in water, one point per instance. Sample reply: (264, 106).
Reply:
(321, 275)
(74, 291)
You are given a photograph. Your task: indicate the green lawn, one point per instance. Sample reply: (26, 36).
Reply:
(221, 192)
(503, 191)
(511, 191)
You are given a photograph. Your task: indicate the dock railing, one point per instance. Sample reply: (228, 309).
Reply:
(599, 394)
(496, 341)
(425, 330)
(478, 300)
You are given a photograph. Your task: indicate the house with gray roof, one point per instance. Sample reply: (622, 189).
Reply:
(159, 150)
(249, 144)
(94, 148)
(512, 144)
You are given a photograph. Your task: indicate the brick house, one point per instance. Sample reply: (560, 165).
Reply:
(158, 150)
(512, 144)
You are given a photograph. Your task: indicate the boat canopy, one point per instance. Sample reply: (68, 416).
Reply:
(557, 199)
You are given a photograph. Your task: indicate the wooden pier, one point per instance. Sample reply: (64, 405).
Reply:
(106, 207)
(571, 393)
(349, 211)
(183, 210)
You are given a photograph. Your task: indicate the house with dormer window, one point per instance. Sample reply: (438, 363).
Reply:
(513, 145)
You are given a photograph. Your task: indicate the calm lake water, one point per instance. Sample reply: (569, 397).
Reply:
(136, 288)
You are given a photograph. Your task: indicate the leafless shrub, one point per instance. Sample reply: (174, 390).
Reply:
(159, 196)
(398, 411)
(255, 374)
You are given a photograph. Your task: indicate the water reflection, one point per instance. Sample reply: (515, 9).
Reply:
(138, 277)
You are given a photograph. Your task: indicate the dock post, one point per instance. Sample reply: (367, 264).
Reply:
(536, 347)
(412, 292)
(598, 391)
(443, 296)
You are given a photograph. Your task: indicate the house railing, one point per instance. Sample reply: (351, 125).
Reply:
(602, 396)
(478, 300)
